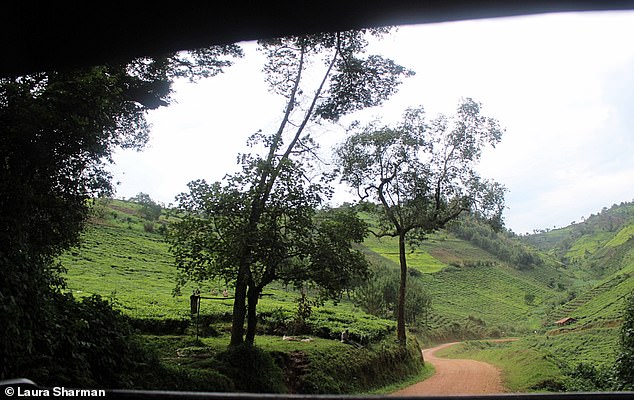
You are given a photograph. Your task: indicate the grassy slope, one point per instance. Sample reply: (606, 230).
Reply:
(467, 281)
(605, 257)
(603, 260)
(121, 261)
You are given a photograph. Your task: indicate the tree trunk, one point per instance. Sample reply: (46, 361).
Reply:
(253, 296)
(239, 309)
(400, 316)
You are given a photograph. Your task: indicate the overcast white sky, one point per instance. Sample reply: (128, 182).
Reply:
(561, 84)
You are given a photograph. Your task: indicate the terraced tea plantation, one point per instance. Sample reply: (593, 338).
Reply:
(125, 259)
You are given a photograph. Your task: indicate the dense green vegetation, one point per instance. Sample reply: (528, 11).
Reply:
(124, 259)
(60, 130)
(474, 294)
(587, 353)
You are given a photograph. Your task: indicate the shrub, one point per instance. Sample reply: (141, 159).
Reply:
(624, 365)
(157, 376)
(251, 370)
(586, 377)
(85, 344)
(351, 369)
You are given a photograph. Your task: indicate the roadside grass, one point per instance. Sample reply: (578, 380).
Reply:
(534, 362)
(313, 366)
(426, 372)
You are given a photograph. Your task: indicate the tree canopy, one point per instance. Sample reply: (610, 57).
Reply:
(422, 174)
(59, 132)
(273, 199)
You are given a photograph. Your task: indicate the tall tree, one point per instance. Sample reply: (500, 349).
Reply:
(59, 131)
(294, 242)
(423, 175)
(321, 77)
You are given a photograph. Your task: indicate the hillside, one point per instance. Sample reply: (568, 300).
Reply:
(594, 248)
(600, 253)
(495, 284)
(584, 271)
(124, 258)
(470, 286)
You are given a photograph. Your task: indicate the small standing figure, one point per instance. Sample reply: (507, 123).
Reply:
(225, 293)
(345, 336)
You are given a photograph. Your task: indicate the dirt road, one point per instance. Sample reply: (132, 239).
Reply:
(456, 377)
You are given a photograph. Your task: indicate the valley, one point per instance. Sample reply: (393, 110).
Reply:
(583, 272)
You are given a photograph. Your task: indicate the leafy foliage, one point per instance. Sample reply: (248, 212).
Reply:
(251, 370)
(150, 210)
(624, 365)
(82, 343)
(379, 296)
(292, 243)
(258, 224)
(423, 175)
(60, 129)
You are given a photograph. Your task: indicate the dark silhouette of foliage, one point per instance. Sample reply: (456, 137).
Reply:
(59, 132)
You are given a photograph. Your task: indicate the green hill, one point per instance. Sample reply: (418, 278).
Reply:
(482, 284)
(471, 285)
(600, 252)
(595, 248)
(124, 258)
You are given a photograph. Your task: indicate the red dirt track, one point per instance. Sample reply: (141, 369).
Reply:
(455, 377)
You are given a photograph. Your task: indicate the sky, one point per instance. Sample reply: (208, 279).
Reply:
(562, 86)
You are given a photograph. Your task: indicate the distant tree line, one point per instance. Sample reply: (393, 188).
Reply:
(499, 243)
(607, 220)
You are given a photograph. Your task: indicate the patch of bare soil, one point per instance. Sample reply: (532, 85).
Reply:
(456, 377)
